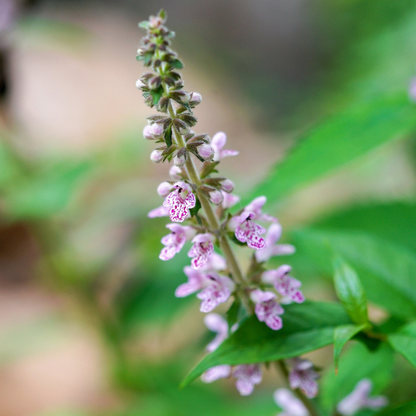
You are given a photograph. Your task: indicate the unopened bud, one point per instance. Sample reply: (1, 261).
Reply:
(216, 197)
(147, 133)
(227, 185)
(164, 189)
(140, 84)
(156, 156)
(175, 172)
(141, 51)
(154, 83)
(205, 151)
(180, 157)
(157, 130)
(196, 98)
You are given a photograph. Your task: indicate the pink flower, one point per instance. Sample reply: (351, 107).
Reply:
(218, 291)
(247, 377)
(179, 201)
(227, 185)
(158, 212)
(267, 309)
(256, 206)
(229, 200)
(214, 262)
(164, 189)
(215, 373)
(175, 240)
(303, 376)
(248, 231)
(175, 172)
(290, 404)
(358, 399)
(286, 285)
(217, 143)
(218, 324)
(412, 90)
(205, 151)
(201, 250)
(197, 280)
(216, 197)
(272, 249)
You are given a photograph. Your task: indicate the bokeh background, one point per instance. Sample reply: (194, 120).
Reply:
(89, 324)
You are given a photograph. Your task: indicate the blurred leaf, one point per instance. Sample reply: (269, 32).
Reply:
(306, 327)
(337, 141)
(404, 342)
(356, 364)
(47, 193)
(387, 271)
(406, 409)
(394, 221)
(350, 291)
(342, 335)
(233, 313)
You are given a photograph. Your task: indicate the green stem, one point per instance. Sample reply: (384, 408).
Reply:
(281, 366)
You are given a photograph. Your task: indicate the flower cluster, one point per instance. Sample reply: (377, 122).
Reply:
(203, 199)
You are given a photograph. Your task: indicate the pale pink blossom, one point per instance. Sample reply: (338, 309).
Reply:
(180, 201)
(216, 197)
(272, 249)
(147, 133)
(412, 90)
(174, 241)
(217, 143)
(156, 156)
(247, 377)
(196, 98)
(201, 250)
(197, 280)
(229, 200)
(290, 404)
(158, 212)
(227, 185)
(205, 151)
(179, 159)
(216, 323)
(286, 285)
(218, 291)
(359, 399)
(157, 130)
(267, 308)
(255, 207)
(247, 231)
(164, 189)
(215, 262)
(303, 376)
(175, 172)
(215, 373)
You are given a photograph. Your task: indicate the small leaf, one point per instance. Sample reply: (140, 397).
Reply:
(144, 25)
(306, 327)
(404, 342)
(350, 291)
(233, 312)
(156, 94)
(406, 409)
(176, 63)
(342, 335)
(168, 136)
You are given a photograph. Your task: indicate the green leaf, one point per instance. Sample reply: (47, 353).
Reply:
(337, 141)
(395, 221)
(386, 271)
(233, 312)
(156, 94)
(168, 136)
(350, 291)
(404, 342)
(306, 327)
(342, 335)
(356, 364)
(176, 63)
(406, 409)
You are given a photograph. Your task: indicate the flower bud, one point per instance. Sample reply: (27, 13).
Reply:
(175, 173)
(141, 51)
(227, 185)
(180, 157)
(147, 133)
(164, 189)
(140, 84)
(196, 99)
(205, 151)
(156, 156)
(216, 197)
(154, 83)
(157, 130)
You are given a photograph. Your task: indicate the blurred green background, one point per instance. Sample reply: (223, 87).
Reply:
(89, 324)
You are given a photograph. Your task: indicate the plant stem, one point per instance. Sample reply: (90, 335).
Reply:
(213, 221)
(281, 366)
